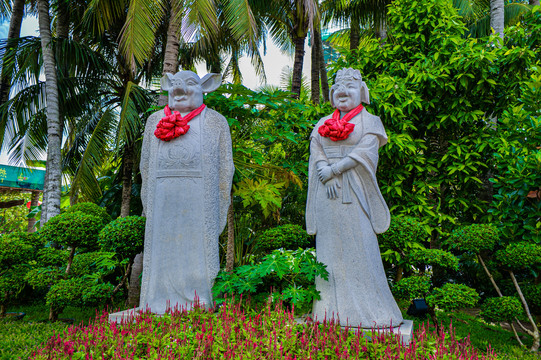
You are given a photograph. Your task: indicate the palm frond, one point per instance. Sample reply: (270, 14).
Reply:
(95, 150)
(100, 15)
(137, 37)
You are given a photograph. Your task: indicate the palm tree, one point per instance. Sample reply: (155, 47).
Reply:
(479, 18)
(53, 175)
(358, 14)
(288, 23)
(15, 21)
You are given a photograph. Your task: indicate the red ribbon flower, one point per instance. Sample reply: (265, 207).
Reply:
(173, 124)
(339, 129)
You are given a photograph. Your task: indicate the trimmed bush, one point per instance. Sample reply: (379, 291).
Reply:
(15, 256)
(49, 256)
(403, 231)
(532, 293)
(520, 255)
(505, 308)
(124, 236)
(412, 287)
(89, 263)
(453, 296)
(288, 236)
(474, 238)
(434, 257)
(78, 291)
(91, 209)
(73, 229)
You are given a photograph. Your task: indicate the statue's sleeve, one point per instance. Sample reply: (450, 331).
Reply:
(316, 154)
(227, 170)
(148, 137)
(366, 155)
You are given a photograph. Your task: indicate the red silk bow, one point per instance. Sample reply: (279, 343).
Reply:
(339, 129)
(173, 124)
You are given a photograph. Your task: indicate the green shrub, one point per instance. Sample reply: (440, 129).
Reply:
(287, 236)
(91, 209)
(78, 291)
(412, 287)
(43, 277)
(504, 308)
(124, 236)
(403, 231)
(73, 229)
(532, 293)
(15, 257)
(290, 273)
(520, 255)
(89, 263)
(453, 296)
(474, 238)
(49, 256)
(434, 257)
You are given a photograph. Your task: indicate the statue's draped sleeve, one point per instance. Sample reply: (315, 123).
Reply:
(227, 170)
(361, 178)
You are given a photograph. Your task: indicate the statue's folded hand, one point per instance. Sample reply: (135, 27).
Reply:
(332, 187)
(324, 173)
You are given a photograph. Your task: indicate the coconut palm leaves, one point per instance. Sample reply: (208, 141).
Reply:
(476, 14)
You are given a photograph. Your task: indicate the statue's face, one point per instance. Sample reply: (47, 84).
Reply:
(186, 93)
(346, 94)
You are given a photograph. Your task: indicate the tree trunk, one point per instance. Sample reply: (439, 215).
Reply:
(354, 33)
(323, 70)
(170, 58)
(489, 275)
(297, 66)
(127, 170)
(53, 314)
(135, 286)
(497, 16)
(535, 332)
(14, 32)
(230, 255)
(70, 261)
(32, 221)
(3, 308)
(54, 135)
(315, 67)
(381, 31)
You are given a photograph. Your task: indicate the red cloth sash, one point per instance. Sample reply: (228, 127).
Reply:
(173, 124)
(339, 129)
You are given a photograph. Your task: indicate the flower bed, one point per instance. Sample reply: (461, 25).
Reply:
(231, 332)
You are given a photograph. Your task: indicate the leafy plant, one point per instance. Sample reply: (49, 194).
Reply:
(405, 234)
(123, 236)
(289, 273)
(520, 255)
(474, 238)
(434, 257)
(504, 308)
(412, 287)
(91, 209)
(16, 255)
(288, 236)
(453, 296)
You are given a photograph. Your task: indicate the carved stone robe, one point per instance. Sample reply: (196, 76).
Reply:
(357, 290)
(186, 194)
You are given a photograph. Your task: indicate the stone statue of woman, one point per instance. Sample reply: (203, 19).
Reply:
(345, 210)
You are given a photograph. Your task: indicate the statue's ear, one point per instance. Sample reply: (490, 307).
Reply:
(331, 93)
(365, 97)
(211, 82)
(166, 81)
